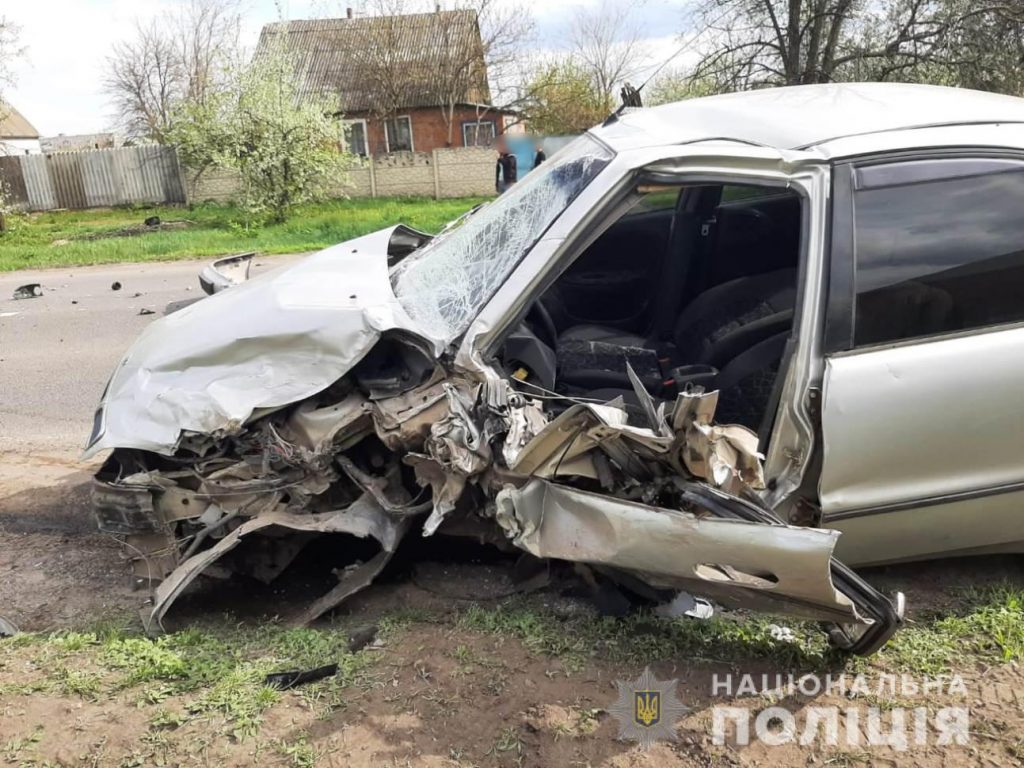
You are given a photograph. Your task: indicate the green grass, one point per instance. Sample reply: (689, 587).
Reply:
(645, 638)
(989, 629)
(215, 672)
(213, 675)
(57, 239)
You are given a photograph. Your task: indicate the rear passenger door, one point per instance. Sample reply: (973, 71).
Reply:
(923, 407)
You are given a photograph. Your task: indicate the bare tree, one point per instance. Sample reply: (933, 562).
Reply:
(10, 50)
(570, 91)
(206, 34)
(488, 70)
(145, 79)
(174, 59)
(753, 43)
(607, 44)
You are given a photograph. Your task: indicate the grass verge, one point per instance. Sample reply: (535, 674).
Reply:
(988, 629)
(65, 238)
(214, 672)
(210, 678)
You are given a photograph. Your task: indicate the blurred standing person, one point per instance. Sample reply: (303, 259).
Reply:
(505, 174)
(541, 156)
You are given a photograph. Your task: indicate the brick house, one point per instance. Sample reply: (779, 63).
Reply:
(414, 82)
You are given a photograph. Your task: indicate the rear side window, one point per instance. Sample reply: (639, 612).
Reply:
(938, 255)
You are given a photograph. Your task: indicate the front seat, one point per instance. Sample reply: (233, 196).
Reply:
(603, 334)
(719, 312)
(718, 325)
(682, 245)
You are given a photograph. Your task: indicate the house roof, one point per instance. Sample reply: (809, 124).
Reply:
(804, 116)
(388, 62)
(13, 124)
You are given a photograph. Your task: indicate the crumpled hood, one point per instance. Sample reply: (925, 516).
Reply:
(274, 340)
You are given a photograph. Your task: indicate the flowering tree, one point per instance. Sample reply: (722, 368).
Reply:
(285, 145)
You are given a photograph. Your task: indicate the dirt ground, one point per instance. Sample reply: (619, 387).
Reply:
(435, 691)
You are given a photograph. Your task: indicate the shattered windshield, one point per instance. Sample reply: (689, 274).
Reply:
(446, 283)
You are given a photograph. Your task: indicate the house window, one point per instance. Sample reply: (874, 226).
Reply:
(398, 133)
(355, 134)
(478, 134)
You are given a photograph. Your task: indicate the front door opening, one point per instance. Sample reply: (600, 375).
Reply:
(693, 286)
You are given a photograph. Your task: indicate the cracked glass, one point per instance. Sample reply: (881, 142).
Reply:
(446, 283)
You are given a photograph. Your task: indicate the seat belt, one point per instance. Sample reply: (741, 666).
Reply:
(682, 246)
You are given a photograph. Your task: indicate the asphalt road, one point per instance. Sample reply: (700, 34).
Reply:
(57, 351)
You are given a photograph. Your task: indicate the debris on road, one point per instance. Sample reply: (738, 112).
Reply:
(145, 311)
(28, 291)
(174, 306)
(115, 286)
(226, 272)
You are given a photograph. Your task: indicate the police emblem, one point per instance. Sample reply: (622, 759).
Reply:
(647, 710)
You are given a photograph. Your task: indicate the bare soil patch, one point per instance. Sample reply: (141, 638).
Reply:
(438, 688)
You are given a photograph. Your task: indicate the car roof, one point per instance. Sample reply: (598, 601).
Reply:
(804, 116)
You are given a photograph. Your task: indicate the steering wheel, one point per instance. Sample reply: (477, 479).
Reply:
(543, 326)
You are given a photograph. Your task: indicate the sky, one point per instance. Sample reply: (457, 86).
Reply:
(58, 83)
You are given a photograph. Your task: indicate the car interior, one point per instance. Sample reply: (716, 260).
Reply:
(693, 286)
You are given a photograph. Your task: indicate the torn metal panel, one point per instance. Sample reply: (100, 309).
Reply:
(456, 447)
(352, 580)
(226, 272)
(152, 555)
(445, 487)
(387, 490)
(123, 510)
(456, 442)
(175, 503)
(724, 455)
(316, 428)
(363, 518)
(404, 422)
(785, 568)
(525, 422)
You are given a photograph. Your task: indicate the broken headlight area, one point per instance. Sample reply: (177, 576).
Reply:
(661, 501)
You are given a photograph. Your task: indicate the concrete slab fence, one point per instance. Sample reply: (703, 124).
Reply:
(460, 172)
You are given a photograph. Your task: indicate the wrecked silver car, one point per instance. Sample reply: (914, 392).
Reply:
(644, 358)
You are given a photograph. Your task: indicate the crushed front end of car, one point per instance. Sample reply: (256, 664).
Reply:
(308, 405)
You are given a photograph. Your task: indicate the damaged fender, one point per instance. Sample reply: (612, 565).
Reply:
(745, 564)
(214, 365)
(724, 548)
(363, 518)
